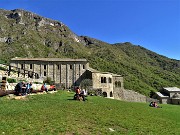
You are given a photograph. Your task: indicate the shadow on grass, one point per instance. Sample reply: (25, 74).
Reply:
(71, 99)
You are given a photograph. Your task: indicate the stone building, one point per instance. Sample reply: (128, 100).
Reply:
(69, 72)
(108, 82)
(169, 95)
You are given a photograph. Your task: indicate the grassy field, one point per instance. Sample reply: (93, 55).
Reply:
(56, 114)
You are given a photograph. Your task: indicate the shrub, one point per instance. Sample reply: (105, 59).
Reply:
(86, 83)
(48, 81)
(2, 68)
(11, 80)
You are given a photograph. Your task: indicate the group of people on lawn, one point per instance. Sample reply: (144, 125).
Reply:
(80, 94)
(23, 88)
(154, 104)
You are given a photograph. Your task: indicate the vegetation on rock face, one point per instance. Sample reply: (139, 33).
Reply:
(25, 34)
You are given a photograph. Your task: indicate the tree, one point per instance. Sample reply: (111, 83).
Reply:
(86, 84)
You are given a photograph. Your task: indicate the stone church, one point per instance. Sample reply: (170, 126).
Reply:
(69, 72)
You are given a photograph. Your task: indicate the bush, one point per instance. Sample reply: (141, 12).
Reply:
(11, 80)
(96, 92)
(2, 68)
(37, 83)
(48, 81)
(86, 83)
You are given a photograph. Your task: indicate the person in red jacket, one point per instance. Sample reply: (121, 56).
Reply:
(53, 87)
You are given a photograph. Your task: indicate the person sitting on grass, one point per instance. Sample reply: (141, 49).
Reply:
(53, 87)
(44, 88)
(77, 95)
(83, 94)
(151, 104)
(19, 88)
(154, 104)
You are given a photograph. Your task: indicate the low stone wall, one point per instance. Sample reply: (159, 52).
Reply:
(129, 95)
(132, 96)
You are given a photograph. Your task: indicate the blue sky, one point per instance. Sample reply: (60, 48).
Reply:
(153, 24)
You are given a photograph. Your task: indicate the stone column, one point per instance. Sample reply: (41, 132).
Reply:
(54, 72)
(67, 76)
(74, 73)
(47, 70)
(60, 73)
(24, 69)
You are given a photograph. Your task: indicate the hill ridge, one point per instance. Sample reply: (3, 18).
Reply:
(33, 36)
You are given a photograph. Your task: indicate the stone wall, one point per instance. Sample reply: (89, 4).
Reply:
(133, 96)
(128, 95)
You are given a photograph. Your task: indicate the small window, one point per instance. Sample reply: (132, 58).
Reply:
(44, 66)
(70, 66)
(44, 73)
(110, 80)
(22, 66)
(103, 79)
(117, 84)
(30, 66)
(83, 66)
(58, 67)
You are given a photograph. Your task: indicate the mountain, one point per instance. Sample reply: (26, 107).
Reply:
(25, 34)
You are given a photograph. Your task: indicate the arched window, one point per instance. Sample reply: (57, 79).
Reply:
(117, 84)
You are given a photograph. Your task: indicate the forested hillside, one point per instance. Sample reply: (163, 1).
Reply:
(25, 34)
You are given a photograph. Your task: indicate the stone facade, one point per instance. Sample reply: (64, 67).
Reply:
(105, 81)
(64, 71)
(169, 95)
(70, 73)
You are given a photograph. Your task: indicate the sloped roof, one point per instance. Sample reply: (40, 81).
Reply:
(96, 71)
(48, 59)
(172, 89)
(161, 95)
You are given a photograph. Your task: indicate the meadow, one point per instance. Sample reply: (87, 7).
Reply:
(58, 114)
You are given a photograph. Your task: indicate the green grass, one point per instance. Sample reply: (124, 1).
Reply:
(58, 114)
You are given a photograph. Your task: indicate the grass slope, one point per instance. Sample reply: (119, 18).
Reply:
(59, 114)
